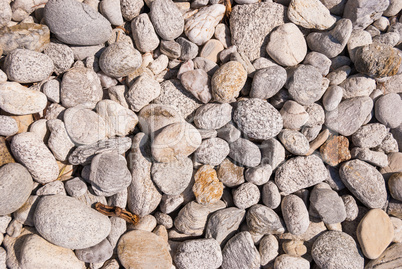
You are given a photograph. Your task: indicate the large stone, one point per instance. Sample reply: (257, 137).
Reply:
(387, 110)
(295, 214)
(201, 253)
(363, 12)
(207, 188)
(311, 15)
(154, 117)
(263, 220)
(224, 223)
(167, 19)
(144, 34)
(240, 252)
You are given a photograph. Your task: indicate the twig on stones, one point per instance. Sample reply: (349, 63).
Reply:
(115, 211)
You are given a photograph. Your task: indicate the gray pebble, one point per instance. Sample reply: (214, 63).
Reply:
(29, 150)
(212, 151)
(365, 182)
(300, 172)
(61, 55)
(273, 153)
(16, 186)
(112, 11)
(80, 85)
(144, 34)
(52, 188)
(172, 178)
(59, 141)
(246, 195)
(332, 97)
(268, 249)
(131, 8)
(339, 75)
(294, 141)
(222, 33)
(363, 13)
(375, 158)
(199, 253)
(223, 223)
(230, 174)
(170, 48)
(328, 205)
(257, 119)
(167, 19)
(52, 90)
(267, 82)
(335, 249)
(351, 208)
(240, 252)
(142, 92)
(319, 61)
(164, 219)
(270, 195)
(245, 152)
(293, 115)
(118, 228)
(286, 261)
(8, 126)
(197, 82)
(119, 59)
(229, 132)
(358, 38)
(295, 214)
(189, 50)
(258, 175)
(76, 187)
(388, 109)
(66, 222)
(213, 116)
(205, 64)
(76, 23)
(263, 220)
(27, 66)
(98, 253)
(349, 115)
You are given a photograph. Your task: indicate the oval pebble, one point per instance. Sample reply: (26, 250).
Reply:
(8, 126)
(212, 116)
(267, 82)
(167, 19)
(295, 214)
(212, 151)
(200, 253)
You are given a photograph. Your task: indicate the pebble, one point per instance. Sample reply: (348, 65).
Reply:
(267, 82)
(131, 8)
(116, 93)
(357, 85)
(268, 249)
(144, 34)
(331, 43)
(8, 126)
(387, 109)
(240, 252)
(95, 254)
(26, 148)
(36, 252)
(339, 75)
(207, 65)
(154, 117)
(319, 61)
(246, 195)
(251, 24)
(166, 19)
(175, 141)
(351, 207)
(295, 214)
(377, 60)
(80, 85)
(365, 182)
(390, 258)
(172, 178)
(76, 187)
(270, 195)
(300, 172)
(146, 223)
(257, 119)
(207, 188)
(349, 116)
(75, 23)
(69, 223)
(229, 132)
(332, 97)
(200, 253)
(61, 55)
(51, 89)
(363, 13)
(313, 15)
(287, 45)
(84, 126)
(373, 157)
(170, 48)
(213, 116)
(29, 36)
(230, 174)
(294, 141)
(374, 233)
(143, 249)
(197, 82)
(119, 121)
(245, 152)
(112, 11)
(211, 49)
(143, 196)
(395, 186)
(59, 141)
(258, 175)
(119, 59)
(327, 204)
(227, 82)
(263, 220)
(335, 150)
(286, 261)
(189, 50)
(223, 223)
(294, 248)
(273, 153)
(222, 33)
(212, 151)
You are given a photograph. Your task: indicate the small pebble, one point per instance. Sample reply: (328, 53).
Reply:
(246, 195)
(267, 82)
(295, 214)
(212, 116)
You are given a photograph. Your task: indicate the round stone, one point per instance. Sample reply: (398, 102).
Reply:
(144, 34)
(263, 220)
(230, 174)
(246, 195)
(294, 116)
(245, 152)
(327, 204)
(258, 175)
(15, 187)
(286, 261)
(8, 126)
(212, 151)
(213, 116)
(207, 188)
(295, 214)
(332, 97)
(142, 92)
(257, 119)
(267, 82)
(61, 55)
(294, 141)
(67, 222)
(200, 253)
(388, 108)
(270, 195)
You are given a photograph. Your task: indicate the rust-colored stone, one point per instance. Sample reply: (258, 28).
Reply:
(207, 187)
(5, 154)
(335, 150)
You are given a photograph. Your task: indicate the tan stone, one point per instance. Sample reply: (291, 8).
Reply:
(143, 250)
(294, 248)
(207, 188)
(5, 154)
(397, 223)
(335, 150)
(230, 174)
(394, 165)
(211, 50)
(374, 233)
(161, 231)
(23, 122)
(318, 141)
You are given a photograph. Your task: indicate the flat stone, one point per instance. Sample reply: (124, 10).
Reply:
(230, 174)
(311, 15)
(295, 214)
(69, 223)
(263, 220)
(335, 150)
(267, 82)
(213, 116)
(76, 23)
(365, 182)
(389, 259)
(251, 24)
(200, 253)
(167, 19)
(374, 233)
(240, 252)
(363, 12)
(29, 150)
(142, 249)
(300, 172)
(207, 188)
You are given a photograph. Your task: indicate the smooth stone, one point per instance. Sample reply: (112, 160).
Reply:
(80, 85)
(131, 8)
(172, 178)
(358, 85)
(119, 121)
(391, 258)
(59, 141)
(374, 233)
(211, 50)
(229, 132)
(286, 261)
(29, 150)
(349, 116)
(227, 82)
(36, 252)
(95, 254)
(327, 205)
(84, 126)
(207, 188)
(295, 214)
(387, 109)
(144, 34)
(351, 207)
(200, 253)
(207, 65)
(240, 252)
(251, 24)
(213, 116)
(69, 223)
(61, 55)
(273, 153)
(267, 82)
(375, 158)
(19, 100)
(300, 172)
(201, 27)
(175, 141)
(263, 220)
(8, 126)
(245, 152)
(212, 151)
(358, 38)
(222, 33)
(230, 174)
(339, 75)
(311, 15)
(294, 141)
(197, 82)
(76, 187)
(76, 23)
(293, 115)
(143, 249)
(270, 195)
(365, 182)
(258, 175)
(319, 61)
(166, 19)
(395, 186)
(331, 43)
(52, 90)
(257, 119)
(363, 12)
(154, 117)
(246, 195)
(268, 249)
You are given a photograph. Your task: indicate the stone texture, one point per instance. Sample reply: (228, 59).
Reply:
(293, 115)
(327, 204)
(213, 116)
(263, 220)
(200, 253)
(387, 107)
(246, 195)
(295, 214)
(8, 126)
(130, 8)
(245, 152)
(212, 151)
(389, 259)
(230, 174)
(335, 150)
(144, 34)
(267, 82)
(167, 19)
(363, 12)
(207, 188)
(311, 15)
(290, 261)
(59, 141)
(240, 252)
(395, 186)
(61, 55)
(96, 254)
(154, 117)
(294, 141)
(369, 135)
(258, 175)
(197, 82)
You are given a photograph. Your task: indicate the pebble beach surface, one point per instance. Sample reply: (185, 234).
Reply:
(200, 134)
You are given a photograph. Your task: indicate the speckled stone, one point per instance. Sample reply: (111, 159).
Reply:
(207, 188)
(213, 116)
(200, 253)
(335, 150)
(8, 126)
(166, 19)
(230, 174)
(240, 252)
(295, 214)
(310, 15)
(263, 220)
